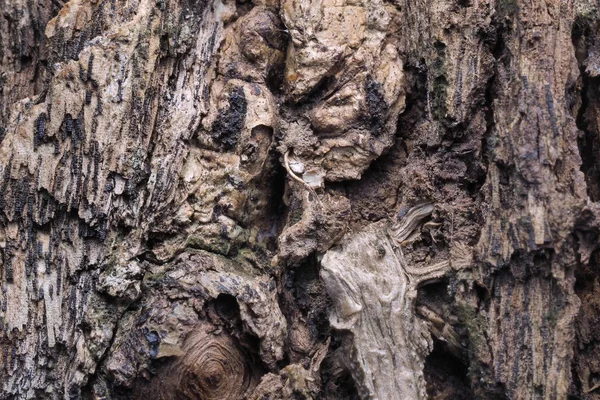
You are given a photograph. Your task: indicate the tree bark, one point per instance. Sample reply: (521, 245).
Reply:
(314, 199)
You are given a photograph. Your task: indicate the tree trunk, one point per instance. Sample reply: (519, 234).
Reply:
(299, 199)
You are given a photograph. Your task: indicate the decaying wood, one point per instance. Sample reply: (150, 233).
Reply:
(383, 199)
(373, 292)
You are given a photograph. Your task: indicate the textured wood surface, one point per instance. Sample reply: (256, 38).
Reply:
(299, 199)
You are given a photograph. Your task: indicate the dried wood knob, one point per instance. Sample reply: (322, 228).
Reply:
(212, 367)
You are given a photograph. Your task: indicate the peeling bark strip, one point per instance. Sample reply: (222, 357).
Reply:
(299, 199)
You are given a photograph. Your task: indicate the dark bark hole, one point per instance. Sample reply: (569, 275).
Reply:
(490, 120)
(439, 46)
(337, 382)
(275, 79)
(309, 297)
(500, 51)
(277, 210)
(26, 61)
(446, 369)
(446, 375)
(589, 144)
(584, 37)
(416, 99)
(227, 307)
(586, 371)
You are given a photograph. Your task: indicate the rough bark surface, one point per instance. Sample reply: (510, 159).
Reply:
(312, 199)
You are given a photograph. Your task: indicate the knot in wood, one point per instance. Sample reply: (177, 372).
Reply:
(212, 367)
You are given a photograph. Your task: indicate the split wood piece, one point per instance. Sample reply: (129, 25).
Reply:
(373, 292)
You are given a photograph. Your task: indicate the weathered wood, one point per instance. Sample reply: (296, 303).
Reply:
(218, 199)
(374, 291)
